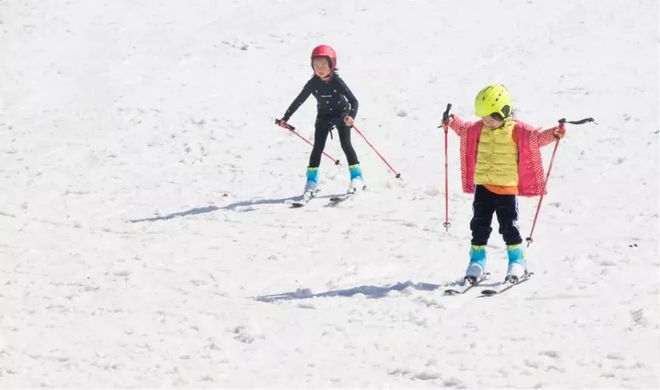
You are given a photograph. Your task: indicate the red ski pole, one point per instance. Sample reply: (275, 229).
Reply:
(547, 176)
(293, 130)
(445, 126)
(397, 174)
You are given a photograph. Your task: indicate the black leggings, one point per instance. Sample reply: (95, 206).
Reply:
(504, 206)
(323, 126)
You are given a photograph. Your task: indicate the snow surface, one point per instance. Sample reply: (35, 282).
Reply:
(143, 224)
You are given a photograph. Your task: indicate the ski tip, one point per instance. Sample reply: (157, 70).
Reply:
(488, 292)
(340, 198)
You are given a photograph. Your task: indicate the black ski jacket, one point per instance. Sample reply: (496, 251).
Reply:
(333, 98)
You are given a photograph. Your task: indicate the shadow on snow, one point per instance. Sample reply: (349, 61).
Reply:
(210, 209)
(248, 203)
(195, 211)
(368, 291)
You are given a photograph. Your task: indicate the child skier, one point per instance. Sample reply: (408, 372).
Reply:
(336, 107)
(500, 159)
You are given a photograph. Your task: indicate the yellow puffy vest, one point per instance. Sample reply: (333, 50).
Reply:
(497, 156)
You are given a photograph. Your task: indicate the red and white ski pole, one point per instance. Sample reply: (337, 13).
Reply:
(562, 122)
(397, 174)
(293, 130)
(445, 126)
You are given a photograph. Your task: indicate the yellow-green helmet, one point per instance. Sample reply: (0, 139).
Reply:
(493, 99)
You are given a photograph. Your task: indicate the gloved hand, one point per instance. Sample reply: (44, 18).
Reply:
(447, 120)
(282, 123)
(348, 121)
(559, 132)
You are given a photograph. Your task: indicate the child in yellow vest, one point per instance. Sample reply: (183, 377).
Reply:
(500, 159)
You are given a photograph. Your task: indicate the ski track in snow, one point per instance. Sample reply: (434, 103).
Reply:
(146, 241)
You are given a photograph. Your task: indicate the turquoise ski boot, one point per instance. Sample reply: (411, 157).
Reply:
(312, 185)
(475, 270)
(517, 265)
(357, 182)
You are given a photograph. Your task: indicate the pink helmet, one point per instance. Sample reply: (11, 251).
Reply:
(326, 51)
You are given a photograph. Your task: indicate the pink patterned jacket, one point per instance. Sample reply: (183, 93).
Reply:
(531, 179)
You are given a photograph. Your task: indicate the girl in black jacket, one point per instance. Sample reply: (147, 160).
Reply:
(336, 107)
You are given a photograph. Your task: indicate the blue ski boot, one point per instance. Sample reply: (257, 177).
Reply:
(312, 185)
(517, 266)
(475, 270)
(357, 183)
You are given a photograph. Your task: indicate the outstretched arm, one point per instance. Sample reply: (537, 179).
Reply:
(298, 101)
(545, 137)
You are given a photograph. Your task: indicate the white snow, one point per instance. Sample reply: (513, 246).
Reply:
(142, 190)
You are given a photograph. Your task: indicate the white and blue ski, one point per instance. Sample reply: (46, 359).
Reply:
(335, 200)
(507, 285)
(304, 199)
(466, 286)
(352, 192)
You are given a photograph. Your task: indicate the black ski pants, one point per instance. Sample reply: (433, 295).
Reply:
(504, 206)
(323, 126)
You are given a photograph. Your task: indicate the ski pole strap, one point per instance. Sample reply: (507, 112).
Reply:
(580, 122)
(288, 126)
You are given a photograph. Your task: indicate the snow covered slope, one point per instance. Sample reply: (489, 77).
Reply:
(143, 224)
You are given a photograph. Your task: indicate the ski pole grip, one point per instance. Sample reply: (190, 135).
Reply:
(580, 122)
(288, 126)
(445, 115)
